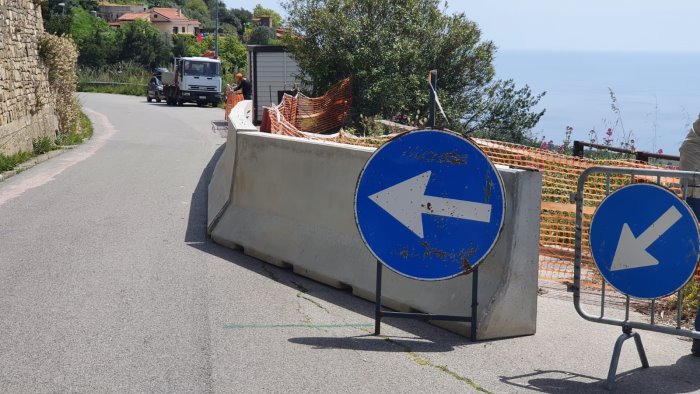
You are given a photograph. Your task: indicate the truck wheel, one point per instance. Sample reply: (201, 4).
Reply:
(180, 102)
(200, 103)
(215, 103)
(148, 98)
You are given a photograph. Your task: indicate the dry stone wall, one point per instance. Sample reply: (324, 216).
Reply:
(26, 107)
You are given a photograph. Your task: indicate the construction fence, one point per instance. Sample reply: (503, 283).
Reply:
(313, 118)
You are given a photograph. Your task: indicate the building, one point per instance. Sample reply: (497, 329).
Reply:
(273, 72)
(263, 20)
(167, 20)
(112, 12)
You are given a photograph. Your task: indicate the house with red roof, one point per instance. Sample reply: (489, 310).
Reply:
(168, 20)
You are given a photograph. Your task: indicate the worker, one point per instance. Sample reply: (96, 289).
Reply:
(690, 161)
(244, 86)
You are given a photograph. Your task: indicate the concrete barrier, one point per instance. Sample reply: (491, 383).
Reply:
(291, 204)
(220, 186)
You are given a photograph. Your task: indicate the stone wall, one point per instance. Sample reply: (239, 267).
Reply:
(27, 110)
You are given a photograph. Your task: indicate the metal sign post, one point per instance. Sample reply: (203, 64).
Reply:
(644, 240)
(379, 312)
(430, 206)
(432, 77)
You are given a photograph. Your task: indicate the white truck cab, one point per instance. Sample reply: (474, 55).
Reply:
(195, 80)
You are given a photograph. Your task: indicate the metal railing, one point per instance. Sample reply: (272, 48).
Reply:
(579, 146)
(601, 316)
(98, 83)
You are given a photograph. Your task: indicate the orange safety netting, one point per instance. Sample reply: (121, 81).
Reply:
(558, 212)
(232, 98)
(303, 117)
(299, 114)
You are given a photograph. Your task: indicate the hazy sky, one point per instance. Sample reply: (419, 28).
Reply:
(599, 25)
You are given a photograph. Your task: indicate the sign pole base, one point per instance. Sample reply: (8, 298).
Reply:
(378, 303)
(626, 334)
(379, 312)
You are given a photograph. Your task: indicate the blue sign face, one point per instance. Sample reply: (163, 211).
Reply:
(429, 205)
(644, 240)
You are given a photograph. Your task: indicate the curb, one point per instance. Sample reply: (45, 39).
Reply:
(34, 161)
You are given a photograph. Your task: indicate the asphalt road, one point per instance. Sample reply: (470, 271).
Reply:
(109, 284)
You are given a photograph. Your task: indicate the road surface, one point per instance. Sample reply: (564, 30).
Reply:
(109, 284)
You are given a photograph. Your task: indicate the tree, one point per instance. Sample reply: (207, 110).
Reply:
(388, 47)
(261, 35)
(227, 17)
(244, 16)
(232, 52)
(197, 6)
(186, 45)
(58, 24)
(94, 38)
(259, 11)
(141, 42)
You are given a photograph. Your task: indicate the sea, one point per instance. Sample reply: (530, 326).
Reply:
(656, 96)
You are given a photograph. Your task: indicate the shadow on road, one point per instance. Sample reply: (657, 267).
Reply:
(372, 343)
(681, 377)
(197, 221)
(196, 237)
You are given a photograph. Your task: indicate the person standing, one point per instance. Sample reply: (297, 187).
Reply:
(244, 86)
(690, 161)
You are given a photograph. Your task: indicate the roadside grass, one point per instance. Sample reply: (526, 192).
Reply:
(81, 131)
(8, 163)
(136, 89)
(121, 78)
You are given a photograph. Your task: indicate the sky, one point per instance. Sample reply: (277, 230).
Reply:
(556, 25)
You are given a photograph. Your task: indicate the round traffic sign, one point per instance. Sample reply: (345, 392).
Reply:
(644, 241)
(429, 204)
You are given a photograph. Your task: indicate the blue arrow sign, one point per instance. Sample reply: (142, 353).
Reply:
(644, 241)
(429, 205)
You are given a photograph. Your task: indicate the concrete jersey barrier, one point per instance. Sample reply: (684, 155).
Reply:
(291, 203)
(220, 186)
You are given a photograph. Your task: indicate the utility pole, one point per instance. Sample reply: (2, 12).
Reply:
(217, 28)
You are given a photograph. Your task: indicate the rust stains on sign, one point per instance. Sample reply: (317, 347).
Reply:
(438, 157)
(488, 188)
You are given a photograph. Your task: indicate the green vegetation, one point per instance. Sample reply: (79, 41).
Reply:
(691, 297)
(42, 145)
(388, 47)
(81, 131)
(60, 55)
(128, 77)
(140, 42)
(121, 60)
(8, 163)
(259, 11)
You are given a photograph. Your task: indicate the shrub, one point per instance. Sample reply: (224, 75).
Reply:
(60, 55)
(8, 163)
(129, 78)
(42, 145)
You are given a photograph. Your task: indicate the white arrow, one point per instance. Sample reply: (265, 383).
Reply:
(631, 251)
(406, 202)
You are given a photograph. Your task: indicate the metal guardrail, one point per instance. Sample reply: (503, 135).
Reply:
(627, 325)
(579, 146)
(98, 83)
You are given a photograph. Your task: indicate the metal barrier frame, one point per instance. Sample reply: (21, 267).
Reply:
(686, 178)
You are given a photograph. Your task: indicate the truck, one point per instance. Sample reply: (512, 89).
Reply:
(194, 80)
